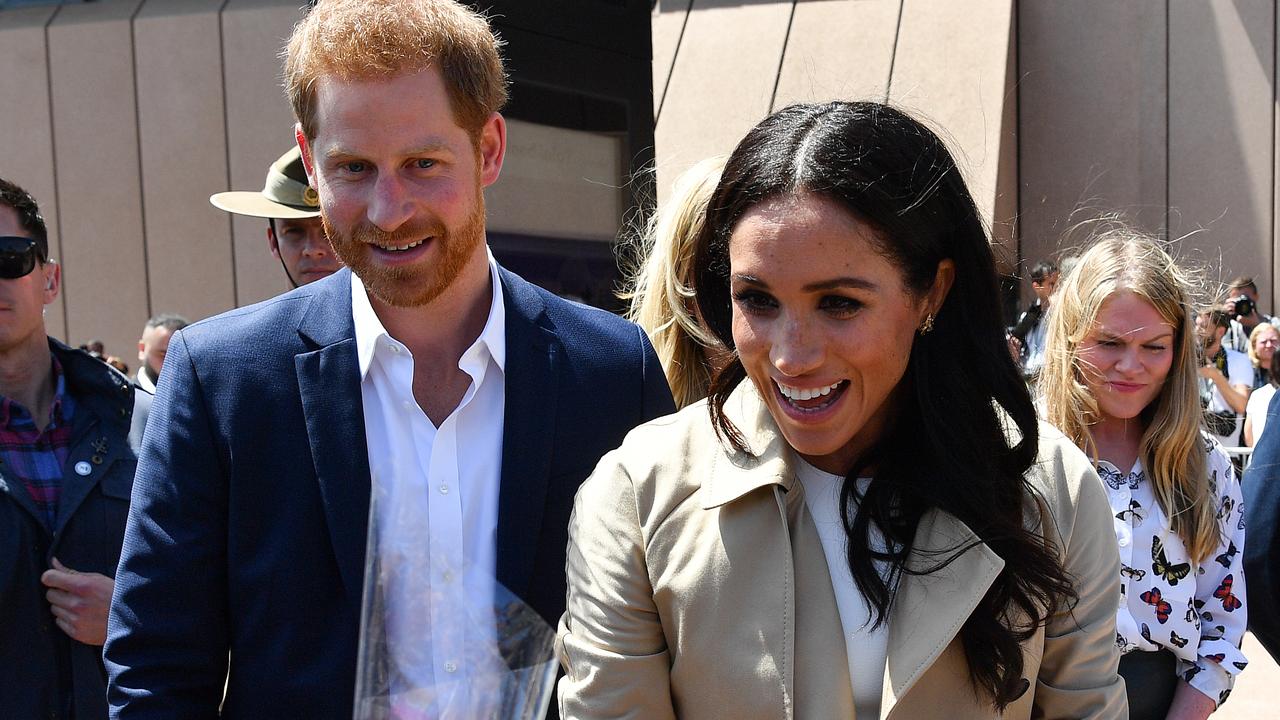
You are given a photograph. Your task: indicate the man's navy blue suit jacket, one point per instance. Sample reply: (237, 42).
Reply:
(250, 507)
(1261, 489)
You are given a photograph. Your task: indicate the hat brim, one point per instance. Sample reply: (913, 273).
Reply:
(254, 204)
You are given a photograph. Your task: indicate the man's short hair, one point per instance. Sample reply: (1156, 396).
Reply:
(1244, 281)
(1042, 270)
(1219, 318)
(169, 321)
(29, 217)
(360, 40)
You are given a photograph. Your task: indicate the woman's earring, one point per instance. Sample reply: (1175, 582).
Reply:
(927, 327)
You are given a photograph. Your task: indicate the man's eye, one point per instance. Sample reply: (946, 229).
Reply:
(424, 164)
(353, 167)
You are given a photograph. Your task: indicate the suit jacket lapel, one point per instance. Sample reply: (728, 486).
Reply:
(329, 385)
(929, 610)
(528, 430)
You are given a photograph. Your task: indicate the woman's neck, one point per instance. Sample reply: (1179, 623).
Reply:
(1118, 441)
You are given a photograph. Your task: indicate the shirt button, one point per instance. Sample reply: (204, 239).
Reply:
(406, 405)
(447, 576)
(1124, 541)
(444, 489)
(450, 667)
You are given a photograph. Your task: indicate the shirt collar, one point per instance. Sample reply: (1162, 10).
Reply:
(492, 339)
(59, 411)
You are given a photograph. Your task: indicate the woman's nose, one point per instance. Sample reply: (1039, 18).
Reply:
(796, 349)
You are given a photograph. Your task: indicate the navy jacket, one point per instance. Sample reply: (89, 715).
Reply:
(46, 673)
(1261, 488)
(247, 533)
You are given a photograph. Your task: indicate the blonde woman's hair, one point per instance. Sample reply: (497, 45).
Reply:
(1253, 339)
(661, 285)
(1172, 449)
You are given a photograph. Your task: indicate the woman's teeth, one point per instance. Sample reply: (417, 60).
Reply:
(793, 393)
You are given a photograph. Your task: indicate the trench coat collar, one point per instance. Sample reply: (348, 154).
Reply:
(929, 608)
(768, 462)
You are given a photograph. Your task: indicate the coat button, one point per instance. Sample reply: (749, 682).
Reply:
(83, 468)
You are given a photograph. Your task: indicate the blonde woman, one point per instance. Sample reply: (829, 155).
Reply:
(1263, 341)
(1120, 380)
(661, 291)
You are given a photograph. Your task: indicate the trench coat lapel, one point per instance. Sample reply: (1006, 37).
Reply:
(528, 430)
(329, 386)
(929, 610)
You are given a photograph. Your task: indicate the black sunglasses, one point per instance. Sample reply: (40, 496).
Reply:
(18, 256)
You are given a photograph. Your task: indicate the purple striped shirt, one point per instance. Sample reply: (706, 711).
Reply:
(36, 457)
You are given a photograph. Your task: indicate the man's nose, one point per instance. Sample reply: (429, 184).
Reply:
(316, 244)
(391, 205)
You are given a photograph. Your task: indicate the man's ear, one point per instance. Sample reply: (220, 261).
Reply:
(272, 241)
(52, 281)
(305, 147)
(492, 148)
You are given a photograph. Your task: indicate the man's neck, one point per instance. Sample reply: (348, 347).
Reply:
(26, 377)
(439, 332)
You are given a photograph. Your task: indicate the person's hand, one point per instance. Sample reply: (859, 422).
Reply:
(1211, 372)
(1230, 308)
(79, 601)
(1015, 348)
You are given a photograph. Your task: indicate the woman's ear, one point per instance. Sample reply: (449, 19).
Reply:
(943, 278)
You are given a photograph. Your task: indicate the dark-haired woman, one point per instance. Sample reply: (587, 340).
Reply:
(864, 516)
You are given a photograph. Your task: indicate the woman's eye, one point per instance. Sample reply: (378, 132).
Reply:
(839, 304)
(1156, 348)
(754, 301)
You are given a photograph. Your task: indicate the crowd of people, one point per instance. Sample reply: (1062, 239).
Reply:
(812, 474)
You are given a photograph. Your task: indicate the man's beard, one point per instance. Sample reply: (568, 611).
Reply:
(410, 285)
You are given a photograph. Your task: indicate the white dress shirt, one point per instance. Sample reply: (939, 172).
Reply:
(435, 499)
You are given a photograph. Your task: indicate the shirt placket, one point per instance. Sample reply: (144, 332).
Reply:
(451, 615)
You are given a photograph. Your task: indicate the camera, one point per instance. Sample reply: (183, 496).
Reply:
(1244, 306)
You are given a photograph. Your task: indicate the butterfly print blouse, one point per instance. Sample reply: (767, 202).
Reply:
(1196, 611)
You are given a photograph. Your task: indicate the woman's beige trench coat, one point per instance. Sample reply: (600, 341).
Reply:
(698, 589)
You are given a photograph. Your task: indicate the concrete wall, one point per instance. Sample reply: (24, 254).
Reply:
(123, 116)
(1162, 110)
(722, 65)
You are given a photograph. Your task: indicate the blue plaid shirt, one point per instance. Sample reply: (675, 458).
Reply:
(36, 457)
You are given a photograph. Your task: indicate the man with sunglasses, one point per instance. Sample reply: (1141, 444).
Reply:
(291, 208)
(68, 436)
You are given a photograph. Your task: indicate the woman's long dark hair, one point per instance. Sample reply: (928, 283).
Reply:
(947, 447)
